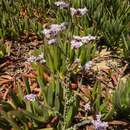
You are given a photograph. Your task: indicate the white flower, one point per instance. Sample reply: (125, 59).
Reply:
(99, 125)
(61, 4)
(73, 11)
(79, 11)
(63, 26)
(52, 41)
(77, 38)
(47, 33)
(83, 11)
(31, 59)
(39, 58)
(41, 55)
(30, 97)
(88, 38)
(98, 117)
(88, 65)
(87, 106)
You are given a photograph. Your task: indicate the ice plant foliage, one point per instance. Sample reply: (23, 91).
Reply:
(78, 41)
(30, 97)
(61, 4)
(63, 63)
(99, 125)
(79, 11)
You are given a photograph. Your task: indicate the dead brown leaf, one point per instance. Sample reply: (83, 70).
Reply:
(85, 90)
(118, 122)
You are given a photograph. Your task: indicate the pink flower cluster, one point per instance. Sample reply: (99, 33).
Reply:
(39, 58)
(77, 12)
(99, 125)
(78, 41)
(30, 97)
(53, 31)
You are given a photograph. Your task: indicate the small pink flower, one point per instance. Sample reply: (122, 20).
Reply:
(30, 97)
